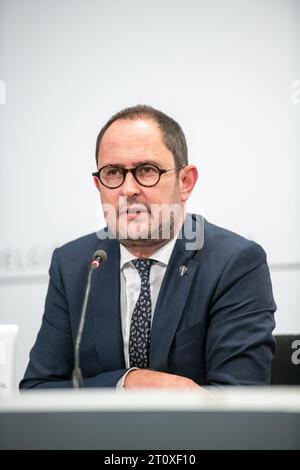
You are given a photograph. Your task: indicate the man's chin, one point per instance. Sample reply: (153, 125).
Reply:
(143, 234)
(145, 238)
(141, 242)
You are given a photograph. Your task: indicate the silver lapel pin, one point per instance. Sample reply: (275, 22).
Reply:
(182, 270)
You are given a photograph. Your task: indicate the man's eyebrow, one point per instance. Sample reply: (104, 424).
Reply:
(136, 163)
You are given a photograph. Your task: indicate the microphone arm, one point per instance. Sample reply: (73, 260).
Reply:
(99, 257)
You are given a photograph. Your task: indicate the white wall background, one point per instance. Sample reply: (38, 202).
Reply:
(228, 71)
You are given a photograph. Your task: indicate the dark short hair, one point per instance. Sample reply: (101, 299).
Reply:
(173, 136)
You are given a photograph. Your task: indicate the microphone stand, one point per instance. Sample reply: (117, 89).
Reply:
(77, 378)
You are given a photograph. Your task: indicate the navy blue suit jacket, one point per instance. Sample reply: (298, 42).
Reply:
(213, 325)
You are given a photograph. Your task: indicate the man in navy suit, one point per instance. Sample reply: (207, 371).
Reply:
(179, 303)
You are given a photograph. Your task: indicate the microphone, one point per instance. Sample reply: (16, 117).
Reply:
(99, 257)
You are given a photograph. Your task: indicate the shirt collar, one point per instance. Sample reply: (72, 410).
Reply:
(162, 255)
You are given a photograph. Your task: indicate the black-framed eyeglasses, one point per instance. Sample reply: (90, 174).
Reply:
(145, 174)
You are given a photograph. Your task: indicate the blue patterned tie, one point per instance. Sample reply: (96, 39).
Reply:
(140, 327)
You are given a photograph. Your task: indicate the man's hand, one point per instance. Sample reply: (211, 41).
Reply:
(144, 378)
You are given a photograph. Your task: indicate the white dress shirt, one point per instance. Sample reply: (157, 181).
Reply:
(131, 285)
(130, 291)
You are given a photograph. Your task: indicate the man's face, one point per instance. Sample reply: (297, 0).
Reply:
(136, 218)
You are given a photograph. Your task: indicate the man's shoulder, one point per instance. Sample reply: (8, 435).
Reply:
(221, 235)
(73, 257)
(85, 246)
(225, 243)
(84, 242)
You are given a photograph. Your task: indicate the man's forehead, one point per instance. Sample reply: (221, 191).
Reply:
(134, 138)
(128, 129)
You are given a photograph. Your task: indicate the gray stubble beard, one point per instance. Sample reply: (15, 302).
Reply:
(163, 234)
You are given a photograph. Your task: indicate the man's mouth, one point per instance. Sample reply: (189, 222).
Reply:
(133, 210)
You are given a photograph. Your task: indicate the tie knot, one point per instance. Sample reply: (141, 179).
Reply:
(143, 265)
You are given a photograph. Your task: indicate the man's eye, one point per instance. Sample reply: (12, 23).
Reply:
(147, 170)
(114, 172)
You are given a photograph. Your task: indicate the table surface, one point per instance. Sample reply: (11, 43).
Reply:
(223, 418)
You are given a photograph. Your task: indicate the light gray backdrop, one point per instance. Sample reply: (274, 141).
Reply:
(228, 71)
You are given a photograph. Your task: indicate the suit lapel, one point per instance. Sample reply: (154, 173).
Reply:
(172, 300)
(105, 308)
(105, 301)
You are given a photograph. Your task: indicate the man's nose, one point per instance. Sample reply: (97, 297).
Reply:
(130, 187)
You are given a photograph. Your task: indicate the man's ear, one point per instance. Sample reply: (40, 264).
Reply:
(187, 179)
(97, 182)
